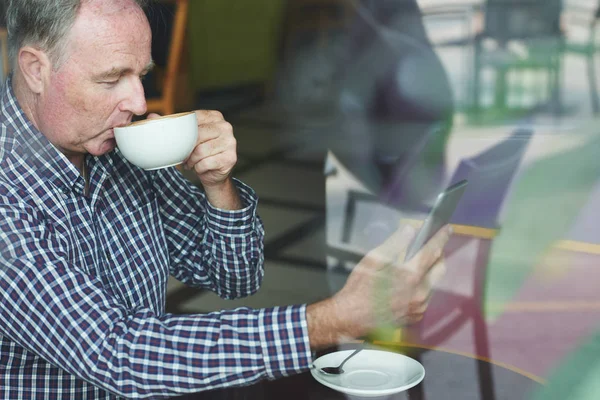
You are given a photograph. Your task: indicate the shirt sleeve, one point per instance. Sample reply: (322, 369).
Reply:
(210, 248)
(68, 318)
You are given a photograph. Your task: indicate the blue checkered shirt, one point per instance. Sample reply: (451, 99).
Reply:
(83, 280)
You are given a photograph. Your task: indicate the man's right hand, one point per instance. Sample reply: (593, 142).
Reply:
(382, 290)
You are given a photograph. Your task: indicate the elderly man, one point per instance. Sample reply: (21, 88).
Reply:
(87, 240)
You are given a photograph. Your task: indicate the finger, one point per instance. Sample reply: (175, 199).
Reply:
(203, 150)
(222, 163)
(420, 302)
(214, 130)
(212, 148)
(419, 309)
(389, 251)
(431, 252)
(415, 223)
(420, 298)
(207, 132)
(208, 116)
(410, 318)
(153, 116)
(436, 273)
(413, 319)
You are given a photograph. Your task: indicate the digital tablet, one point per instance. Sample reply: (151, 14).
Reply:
(439, 216)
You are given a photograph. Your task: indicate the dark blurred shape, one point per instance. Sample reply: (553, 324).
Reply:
(393, 79)
(3, 42)
(376, 95)
(160, 16)
(168, 22)
(390, 67)
(3, 13)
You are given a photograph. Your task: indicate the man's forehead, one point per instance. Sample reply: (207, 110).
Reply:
(107, 7)
(94, 27)
(110, 17)
(101, 43)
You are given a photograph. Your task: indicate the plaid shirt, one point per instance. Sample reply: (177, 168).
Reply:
(83, 279)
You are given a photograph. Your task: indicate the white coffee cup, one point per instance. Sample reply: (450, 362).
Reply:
(159, 142)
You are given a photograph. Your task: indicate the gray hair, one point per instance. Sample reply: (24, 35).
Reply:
(42, 23)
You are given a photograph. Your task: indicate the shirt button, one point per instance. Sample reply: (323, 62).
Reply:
(107, 254)
(239, 223)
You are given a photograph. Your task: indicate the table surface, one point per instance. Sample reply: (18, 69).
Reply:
(448, 376)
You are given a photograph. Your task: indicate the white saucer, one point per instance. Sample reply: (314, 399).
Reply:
(370, 373)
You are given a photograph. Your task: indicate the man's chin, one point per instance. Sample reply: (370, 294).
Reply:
(105, 147)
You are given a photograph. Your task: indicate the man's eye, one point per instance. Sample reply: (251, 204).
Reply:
(110, 83)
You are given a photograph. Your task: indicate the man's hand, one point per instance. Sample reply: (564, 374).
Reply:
(215, 153)
(381, 290)
(213, 158)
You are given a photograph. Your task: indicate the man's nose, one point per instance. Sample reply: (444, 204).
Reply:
(136, 99)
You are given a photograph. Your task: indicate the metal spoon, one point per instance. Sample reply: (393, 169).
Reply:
(339, 370)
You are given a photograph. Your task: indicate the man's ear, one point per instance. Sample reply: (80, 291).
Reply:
(35, 66)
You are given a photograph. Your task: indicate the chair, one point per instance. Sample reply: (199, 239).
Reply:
(476, 218)
(518, 37)
(4, 50)
(587, 46)
(165, 101)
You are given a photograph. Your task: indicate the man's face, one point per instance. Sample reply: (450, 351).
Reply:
(99, 85)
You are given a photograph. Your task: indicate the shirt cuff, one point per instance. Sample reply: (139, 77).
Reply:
(285, 341)
(234, 222)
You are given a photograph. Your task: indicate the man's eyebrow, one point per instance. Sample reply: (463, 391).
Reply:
(117, 72)
(112, 73)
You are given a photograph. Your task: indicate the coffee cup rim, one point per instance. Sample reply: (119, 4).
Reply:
(157, 119)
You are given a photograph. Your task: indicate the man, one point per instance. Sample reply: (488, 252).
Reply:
(87, 240)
